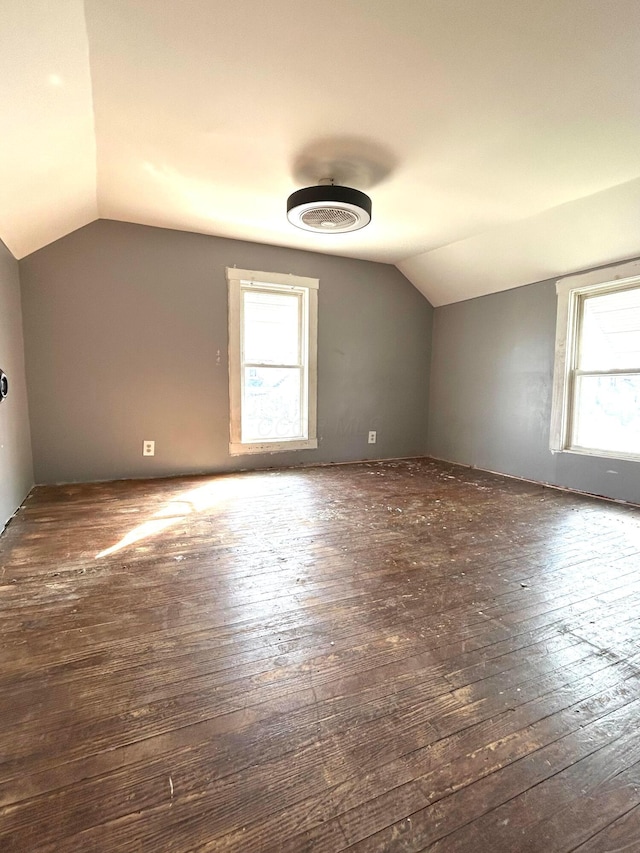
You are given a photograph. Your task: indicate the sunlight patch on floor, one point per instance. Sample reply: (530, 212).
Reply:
(193, 501)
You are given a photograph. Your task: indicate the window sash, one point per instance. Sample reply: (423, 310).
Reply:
(618, 371)
(301, 297)
(609, 429)
(610, 330)
(299, 418)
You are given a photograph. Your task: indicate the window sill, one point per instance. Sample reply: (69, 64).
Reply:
(238, 449)
(600, 454)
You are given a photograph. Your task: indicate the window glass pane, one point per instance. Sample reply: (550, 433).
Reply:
(271, 405)
(271, 329)
(607, 413)
(610, 336)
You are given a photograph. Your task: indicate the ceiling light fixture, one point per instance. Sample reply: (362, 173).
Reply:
(329, 209)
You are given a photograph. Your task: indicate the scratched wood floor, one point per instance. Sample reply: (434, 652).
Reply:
(377, 657)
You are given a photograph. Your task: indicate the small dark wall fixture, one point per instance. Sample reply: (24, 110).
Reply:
(4, 385)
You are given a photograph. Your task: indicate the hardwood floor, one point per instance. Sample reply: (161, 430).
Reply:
(378, 657)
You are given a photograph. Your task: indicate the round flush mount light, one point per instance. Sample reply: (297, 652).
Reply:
(329, 209)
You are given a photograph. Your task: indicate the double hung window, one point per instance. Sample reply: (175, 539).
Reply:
(272, 361)
(596, 405)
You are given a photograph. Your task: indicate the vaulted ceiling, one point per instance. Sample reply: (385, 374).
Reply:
(498, 139)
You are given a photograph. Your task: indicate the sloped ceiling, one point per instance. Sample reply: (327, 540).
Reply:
(47, 135)
(499, 140)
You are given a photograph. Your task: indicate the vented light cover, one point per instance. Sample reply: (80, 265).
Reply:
(329, 209)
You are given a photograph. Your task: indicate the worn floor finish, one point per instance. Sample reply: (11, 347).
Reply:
(379, 657)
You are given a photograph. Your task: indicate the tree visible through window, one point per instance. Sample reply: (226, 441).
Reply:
(272, 361)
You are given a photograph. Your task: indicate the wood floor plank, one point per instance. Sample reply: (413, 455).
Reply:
(620, 836)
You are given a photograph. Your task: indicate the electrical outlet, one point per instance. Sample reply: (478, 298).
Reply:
(372, 436)
(148, 448)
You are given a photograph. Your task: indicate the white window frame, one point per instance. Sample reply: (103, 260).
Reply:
(307, 288)
(571, 291)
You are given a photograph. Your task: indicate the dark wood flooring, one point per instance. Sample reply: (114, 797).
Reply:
(378, 657)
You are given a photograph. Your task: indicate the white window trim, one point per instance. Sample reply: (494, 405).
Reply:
(569, 291)
(237, 277)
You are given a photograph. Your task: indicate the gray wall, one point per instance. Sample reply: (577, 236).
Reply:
(126, 339)
(491, 385)
(16, 471)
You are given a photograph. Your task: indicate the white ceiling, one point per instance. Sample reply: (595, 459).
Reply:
(498, 139)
